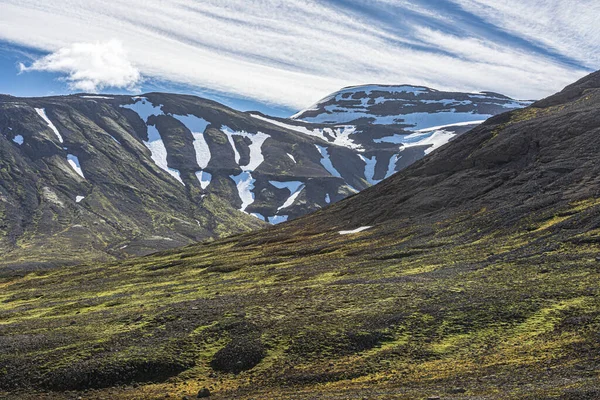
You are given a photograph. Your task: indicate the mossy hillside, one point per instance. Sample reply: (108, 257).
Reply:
(412, 310)
(129, 207)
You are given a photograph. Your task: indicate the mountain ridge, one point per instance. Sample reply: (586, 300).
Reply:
(90, 158)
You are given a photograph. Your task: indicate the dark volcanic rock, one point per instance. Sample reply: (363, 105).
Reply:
(241, 354)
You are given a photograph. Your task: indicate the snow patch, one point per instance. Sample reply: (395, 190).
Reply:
(292, 157)
(18, 140)
(115, 139)
(296, 128)
(78, 199)
(339, 135)
(370, 164)
(278, 219)
(159, 152)
(204, 178)
(144, 108)
(97, 97)
(326, 161)
(334, 114)
(256, 155)
(197, 126)
(368, 89)
(357, 230)
(74, 162)
(435, 128)
(42, 113)
(327, 198)
(259, 216)
(433, 139)
(245, 184)
(392, 165)
(421, 121)
(295, 188)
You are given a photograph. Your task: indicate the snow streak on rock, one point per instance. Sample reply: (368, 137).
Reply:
(245, 185)
(326, 161)
(357, 230)
(204, 178)
(295, 188)
(370, 164)
(42, 113)
(197, 126)
(74, 162)
(145, 109)
(256, 155)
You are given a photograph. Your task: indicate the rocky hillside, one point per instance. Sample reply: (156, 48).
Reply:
(471, 274)
(87, 176)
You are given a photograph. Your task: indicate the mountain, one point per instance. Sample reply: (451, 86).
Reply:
(87, 177)
(82, 179)
(412, 107)
(473, 273)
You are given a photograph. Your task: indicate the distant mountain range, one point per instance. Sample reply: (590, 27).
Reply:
(96, 177)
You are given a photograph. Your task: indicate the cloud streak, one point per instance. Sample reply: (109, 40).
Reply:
(294, 52)
(90, 67)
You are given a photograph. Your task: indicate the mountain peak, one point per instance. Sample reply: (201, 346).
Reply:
(510, 160)
(408, 106)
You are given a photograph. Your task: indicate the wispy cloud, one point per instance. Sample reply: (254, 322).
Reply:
(90, 67)
(568, 28)
(294, 52)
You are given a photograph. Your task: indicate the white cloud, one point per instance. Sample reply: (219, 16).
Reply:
(90, 67)
(295, 52)
(569, 28)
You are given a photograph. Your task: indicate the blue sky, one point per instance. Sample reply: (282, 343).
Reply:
(44, 83)
(279, 56)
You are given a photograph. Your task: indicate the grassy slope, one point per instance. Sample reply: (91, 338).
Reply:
(399, 311)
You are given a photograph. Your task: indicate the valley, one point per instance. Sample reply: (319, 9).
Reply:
(470, 274)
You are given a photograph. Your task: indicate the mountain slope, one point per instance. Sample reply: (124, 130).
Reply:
(471, 274)
(78, 183)
(88, 177)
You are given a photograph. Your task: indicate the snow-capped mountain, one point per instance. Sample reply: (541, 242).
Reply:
(126, 175)
(409, 107)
